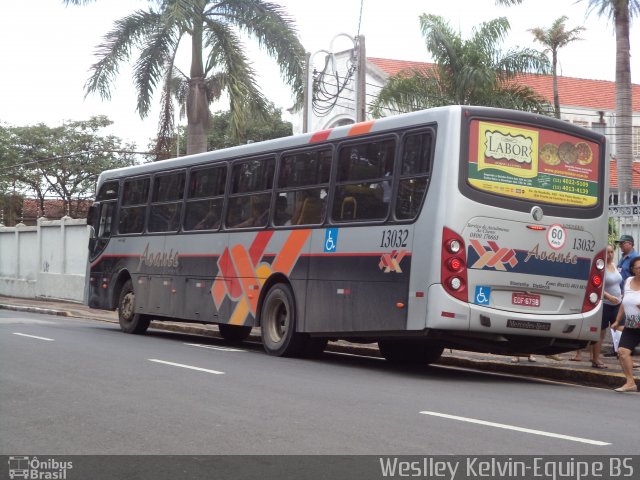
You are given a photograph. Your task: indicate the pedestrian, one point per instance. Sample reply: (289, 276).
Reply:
(612, 296)
(625, 242)
(629, 311)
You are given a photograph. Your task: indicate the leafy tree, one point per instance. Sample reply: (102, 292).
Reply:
(257, 129)
(554, 38)
(621, 12)
(218, 62)
(466, 72)
(63, 161)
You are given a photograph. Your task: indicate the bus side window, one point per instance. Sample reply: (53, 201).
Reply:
(415, 174)
(365, 181)
(250, 195)
(104, 222)
(303, 183)
(131, 220)
(166, 202)
(134, 205)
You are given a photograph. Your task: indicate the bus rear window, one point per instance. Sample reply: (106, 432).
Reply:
(527, 162)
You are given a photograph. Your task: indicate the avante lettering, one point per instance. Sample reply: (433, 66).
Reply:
(551, 256)
(158, 259)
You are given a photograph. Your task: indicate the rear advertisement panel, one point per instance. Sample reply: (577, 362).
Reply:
(533, 163)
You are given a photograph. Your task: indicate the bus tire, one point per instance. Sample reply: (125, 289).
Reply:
(408, 352)
(130, 321)
(234, 333)
(278, 323)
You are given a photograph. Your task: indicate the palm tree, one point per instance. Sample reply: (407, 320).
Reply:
(554, 38)
(466, 72)
(218, 63)
(621, 12)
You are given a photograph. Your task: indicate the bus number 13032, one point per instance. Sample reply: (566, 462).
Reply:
(394, 238)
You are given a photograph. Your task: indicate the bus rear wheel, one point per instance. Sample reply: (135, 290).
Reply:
(130, 321)
(409, 352)
(278, 323)
(234, 333)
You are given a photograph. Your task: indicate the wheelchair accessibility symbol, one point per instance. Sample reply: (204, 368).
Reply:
(330, 240)
(481, 297)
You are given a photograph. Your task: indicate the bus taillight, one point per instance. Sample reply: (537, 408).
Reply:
(454, 264)
(594, 285)
(453, 272)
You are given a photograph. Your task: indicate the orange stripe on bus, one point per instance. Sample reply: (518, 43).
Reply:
(320, 136)
(218, 291)
(240, 313)
(250, 285)
(361, 128)
(286, 259)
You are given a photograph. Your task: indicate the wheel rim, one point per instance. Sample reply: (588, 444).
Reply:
(277, 321)
(126, 309)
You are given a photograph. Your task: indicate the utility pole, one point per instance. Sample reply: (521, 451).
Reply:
(307, 93)
(361, 83)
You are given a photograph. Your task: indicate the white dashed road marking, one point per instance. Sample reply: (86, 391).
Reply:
(517, 429)
(190, 367)
(34, 336)
(213, 347)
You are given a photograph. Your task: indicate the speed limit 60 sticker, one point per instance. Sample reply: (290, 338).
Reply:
(556, 237)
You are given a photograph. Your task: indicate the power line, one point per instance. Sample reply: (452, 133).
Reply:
(70, 155)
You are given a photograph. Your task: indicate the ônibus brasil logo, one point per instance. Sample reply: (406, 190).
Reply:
(36, 469)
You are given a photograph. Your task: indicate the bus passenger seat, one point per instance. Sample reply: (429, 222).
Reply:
(310, 212)
(349, 208)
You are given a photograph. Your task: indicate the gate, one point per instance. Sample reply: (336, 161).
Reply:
(624, 217)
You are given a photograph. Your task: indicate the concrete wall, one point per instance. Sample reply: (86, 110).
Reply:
(45, 261)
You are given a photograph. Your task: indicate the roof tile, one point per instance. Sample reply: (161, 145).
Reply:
(577, 92)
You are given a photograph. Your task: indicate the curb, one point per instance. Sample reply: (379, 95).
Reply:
(44, 311)
(547, 372)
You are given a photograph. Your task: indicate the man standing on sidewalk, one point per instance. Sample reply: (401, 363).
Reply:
(628, 253)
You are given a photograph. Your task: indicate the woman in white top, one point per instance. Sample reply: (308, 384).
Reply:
(630, 312)
(611, 303)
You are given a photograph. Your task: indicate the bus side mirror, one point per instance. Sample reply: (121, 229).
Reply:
(92, 232)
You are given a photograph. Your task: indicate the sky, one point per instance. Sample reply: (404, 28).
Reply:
(46, 50)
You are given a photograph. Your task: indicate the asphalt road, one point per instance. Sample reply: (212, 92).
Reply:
(71, 386)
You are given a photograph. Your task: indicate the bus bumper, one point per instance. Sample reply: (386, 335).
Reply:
(447, 313)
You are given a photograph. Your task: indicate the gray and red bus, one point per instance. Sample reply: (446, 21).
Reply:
(459, 227)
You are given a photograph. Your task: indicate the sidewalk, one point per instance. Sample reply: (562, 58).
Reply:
(565, 370)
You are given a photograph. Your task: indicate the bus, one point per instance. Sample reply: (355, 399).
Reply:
(460, 227)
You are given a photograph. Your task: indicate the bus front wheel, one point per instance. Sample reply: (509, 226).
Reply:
(408, 352)
(278, 323)
(130, 321)
(234, 333)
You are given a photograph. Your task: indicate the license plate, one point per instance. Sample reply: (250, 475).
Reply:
(525, 299)
(528, 325)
